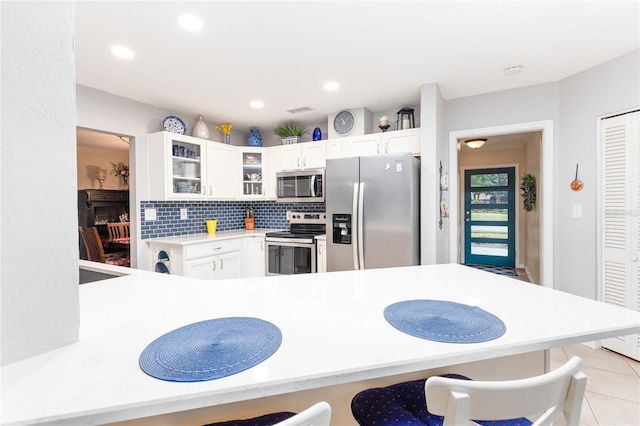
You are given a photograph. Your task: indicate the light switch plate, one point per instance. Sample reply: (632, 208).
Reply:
(183, 214)
(577, 211)
(149, 214)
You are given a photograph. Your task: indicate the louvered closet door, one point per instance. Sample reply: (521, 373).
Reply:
(620, 224)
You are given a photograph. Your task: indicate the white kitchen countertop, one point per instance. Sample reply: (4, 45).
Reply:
(333, 332)
(203, 238)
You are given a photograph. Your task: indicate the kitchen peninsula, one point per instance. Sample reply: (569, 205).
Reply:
(335, 340)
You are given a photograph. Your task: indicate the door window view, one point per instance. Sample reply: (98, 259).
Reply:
(489, 216)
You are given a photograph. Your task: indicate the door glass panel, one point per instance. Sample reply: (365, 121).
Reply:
(493, 215)
(479, 231)
(489, 197)
(490, 249)
(185, 161)
(489, 179)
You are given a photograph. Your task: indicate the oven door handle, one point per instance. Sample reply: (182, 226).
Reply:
(354, 225)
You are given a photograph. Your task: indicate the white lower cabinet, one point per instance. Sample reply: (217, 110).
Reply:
(211, 260)
(321, 255)
(223, 266)
(254, 254)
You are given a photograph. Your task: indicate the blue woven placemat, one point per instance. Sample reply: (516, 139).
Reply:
(444, 321)
(210, 349)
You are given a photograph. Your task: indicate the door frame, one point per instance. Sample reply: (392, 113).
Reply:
(517, 210)
(546, 193)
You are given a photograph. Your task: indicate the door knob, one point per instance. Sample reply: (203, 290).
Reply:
(468, 220)
(633, 258)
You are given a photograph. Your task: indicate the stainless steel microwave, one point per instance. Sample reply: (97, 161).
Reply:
(300, 186)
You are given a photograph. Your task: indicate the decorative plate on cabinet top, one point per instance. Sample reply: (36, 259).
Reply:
(174, 124)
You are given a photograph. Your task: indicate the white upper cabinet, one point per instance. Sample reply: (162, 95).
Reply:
(253, 173)
(222, 171)
(273, 158)
(308, 155)
(174, 165)
(181, 167)
(401, 141)
(363, 145)
(375, 144)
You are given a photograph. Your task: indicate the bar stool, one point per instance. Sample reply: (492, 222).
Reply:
(454, 400)
(317, 415)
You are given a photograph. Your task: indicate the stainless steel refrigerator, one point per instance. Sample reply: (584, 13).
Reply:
(373, 212)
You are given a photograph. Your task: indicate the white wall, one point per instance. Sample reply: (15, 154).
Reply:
(532, 237)
(39, 260)
(432, 239)
(604, 89)
(573, 105)
(103, 111)
(90, 160)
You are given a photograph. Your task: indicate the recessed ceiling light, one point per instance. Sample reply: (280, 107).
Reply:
(122, 52)
(513, 69)
(332, 85)
(257, 104)
(190, 22)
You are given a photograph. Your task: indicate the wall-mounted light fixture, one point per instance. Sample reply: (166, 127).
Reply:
(475, 143)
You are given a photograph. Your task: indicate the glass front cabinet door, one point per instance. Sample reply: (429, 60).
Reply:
(253, 173)
(175, 166)
(186, 169)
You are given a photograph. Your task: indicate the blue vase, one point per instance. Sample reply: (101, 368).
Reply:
(255, 139)
(317, 134)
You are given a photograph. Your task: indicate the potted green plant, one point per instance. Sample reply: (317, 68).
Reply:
(290, 132)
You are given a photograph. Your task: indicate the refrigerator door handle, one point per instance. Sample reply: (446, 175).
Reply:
(354, 226)
(361, 225)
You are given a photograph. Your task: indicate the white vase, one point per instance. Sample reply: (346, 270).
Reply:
(200, 129)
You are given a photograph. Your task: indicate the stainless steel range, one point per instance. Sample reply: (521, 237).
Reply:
(294, 251)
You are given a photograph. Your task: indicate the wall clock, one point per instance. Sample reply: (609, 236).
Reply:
(349, 122)
(344, 122)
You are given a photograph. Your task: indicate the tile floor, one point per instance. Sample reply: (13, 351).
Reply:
(613, 382)
(613, 385)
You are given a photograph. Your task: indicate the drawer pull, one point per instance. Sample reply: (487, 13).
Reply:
(216, 248)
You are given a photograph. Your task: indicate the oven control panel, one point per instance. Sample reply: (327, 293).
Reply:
(306, 217)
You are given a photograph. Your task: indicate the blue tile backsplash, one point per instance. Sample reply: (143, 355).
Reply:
(230, 215)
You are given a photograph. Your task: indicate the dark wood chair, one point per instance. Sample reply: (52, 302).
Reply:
(95, 250)
(119, 232)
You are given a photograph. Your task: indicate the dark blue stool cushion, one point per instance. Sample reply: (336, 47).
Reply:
(405, 404)
(266, 420)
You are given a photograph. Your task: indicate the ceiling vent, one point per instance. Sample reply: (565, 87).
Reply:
(299, 110)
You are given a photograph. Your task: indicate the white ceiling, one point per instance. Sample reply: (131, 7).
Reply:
(380, 52)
